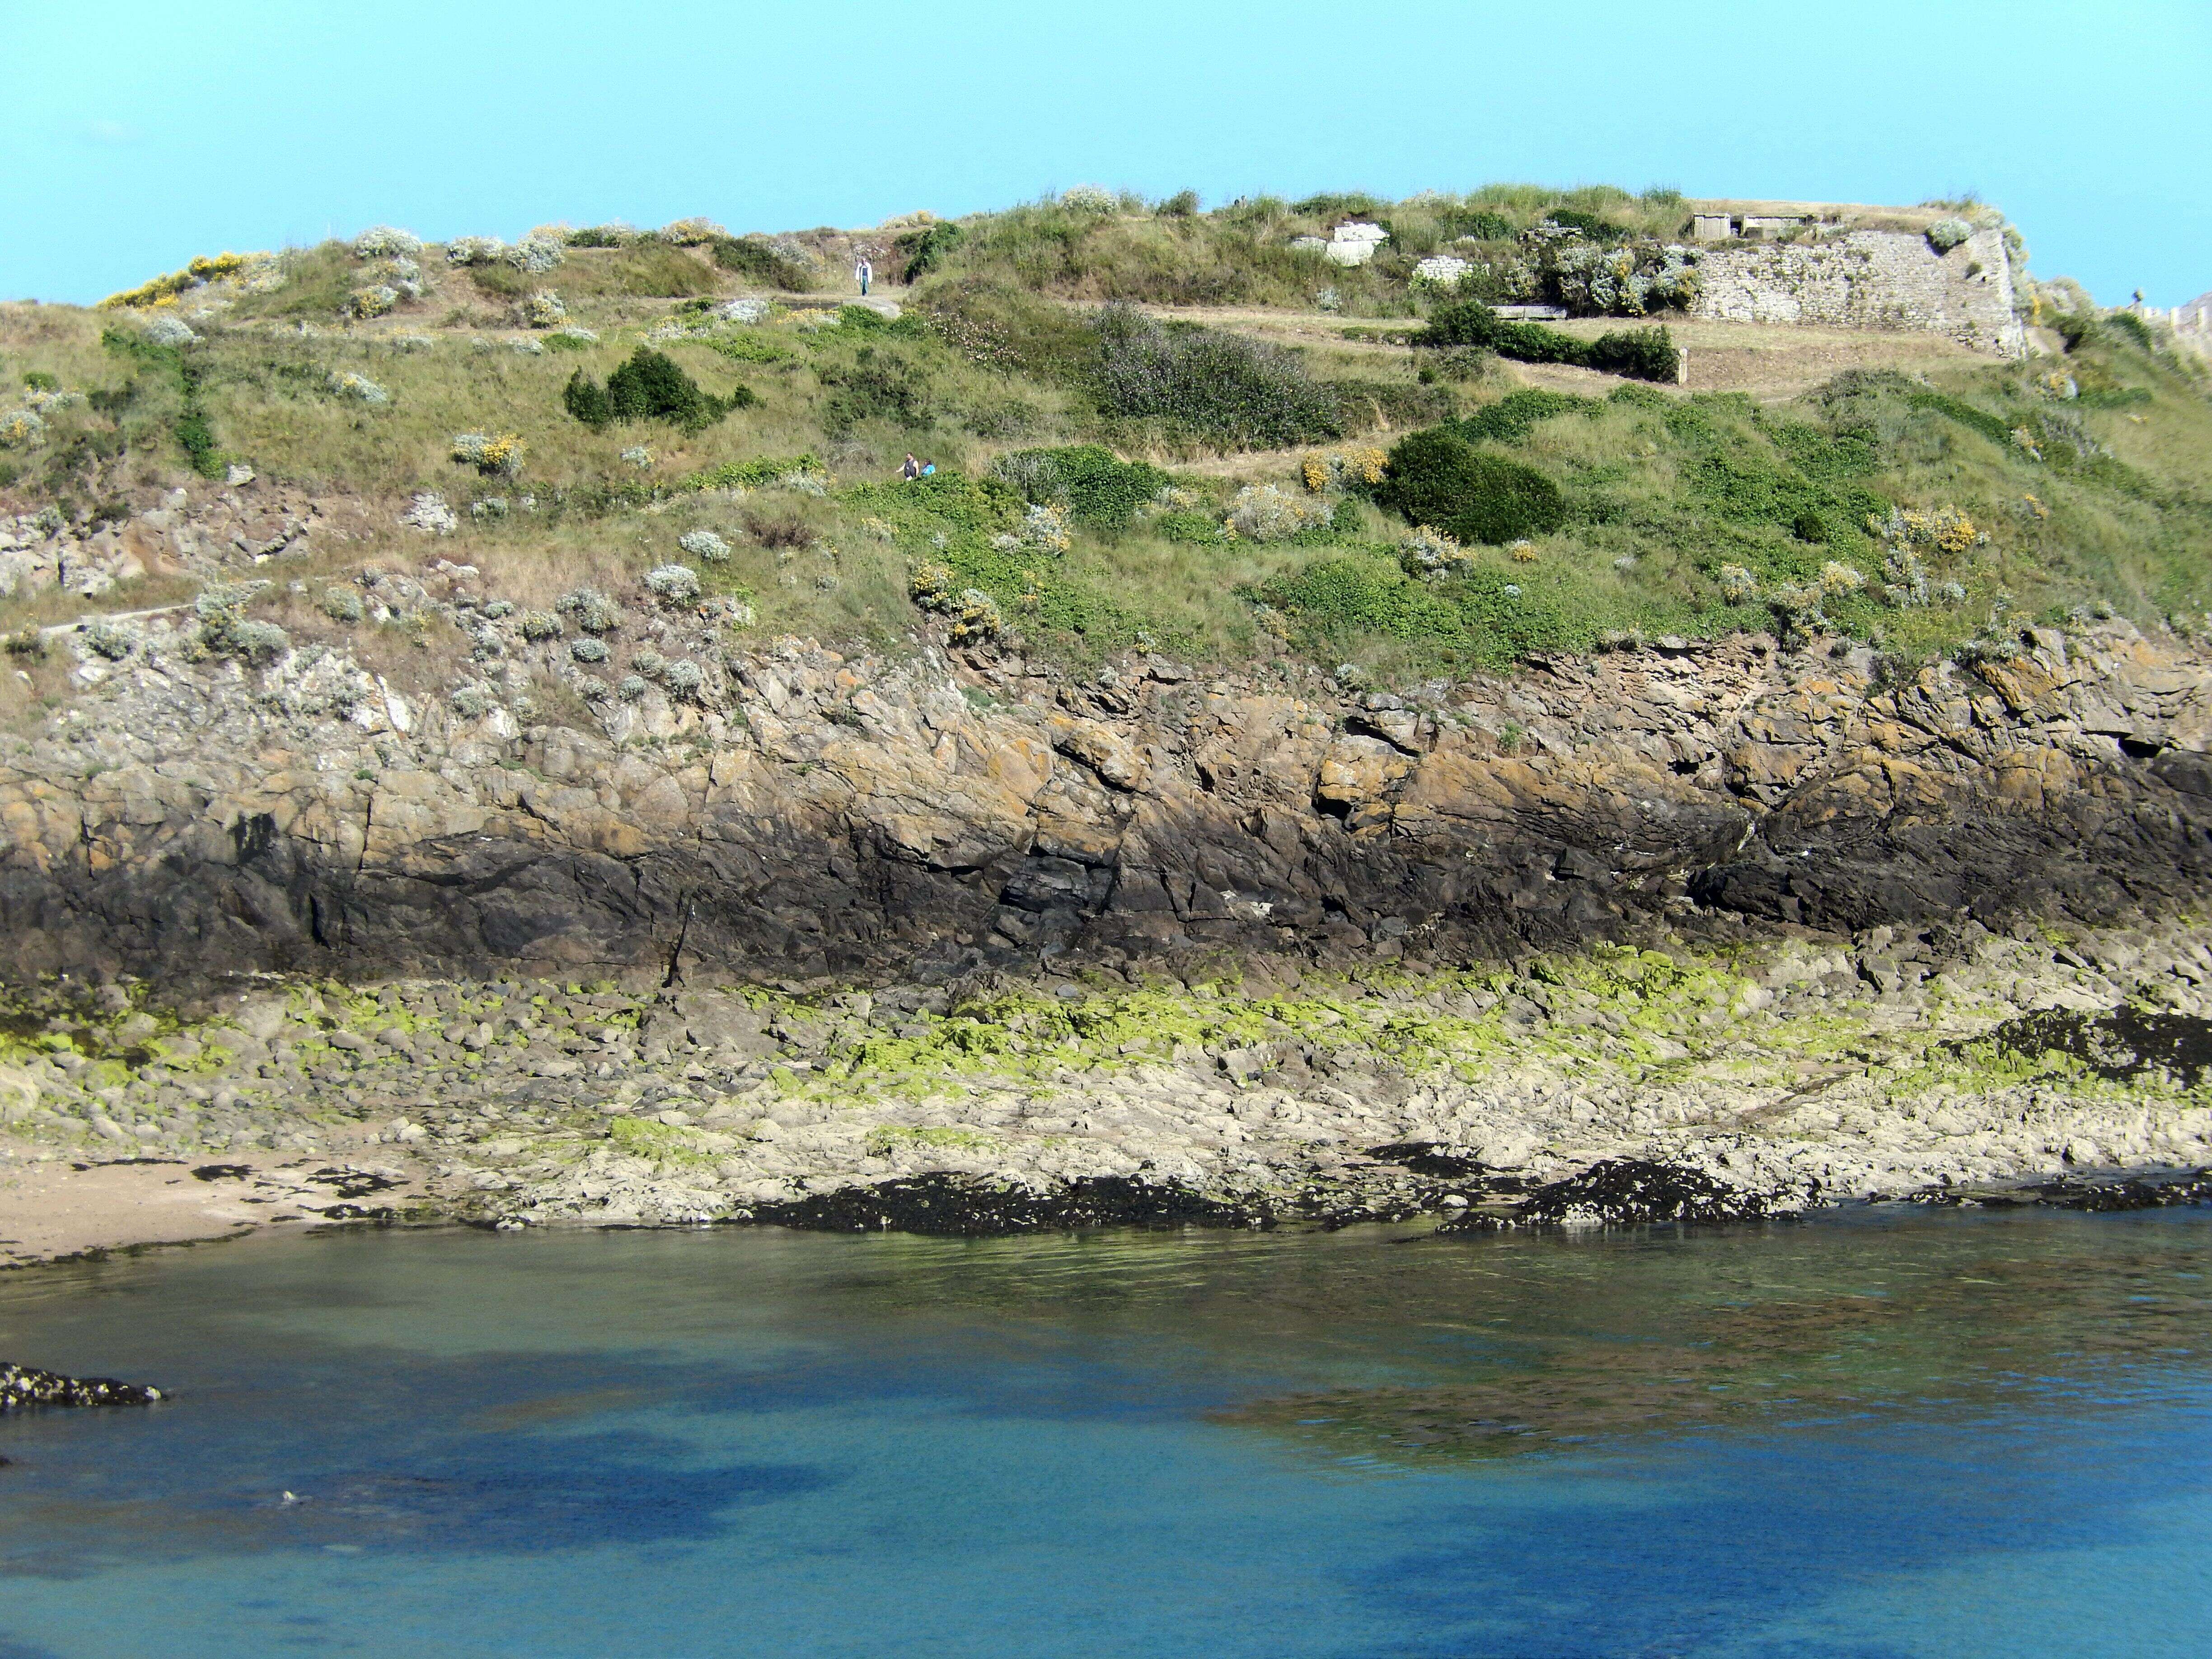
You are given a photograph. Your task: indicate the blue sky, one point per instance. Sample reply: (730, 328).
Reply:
(138, 134)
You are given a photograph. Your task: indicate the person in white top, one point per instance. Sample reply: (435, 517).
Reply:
(862, 271)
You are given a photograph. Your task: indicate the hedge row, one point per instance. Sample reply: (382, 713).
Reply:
(1642, 353)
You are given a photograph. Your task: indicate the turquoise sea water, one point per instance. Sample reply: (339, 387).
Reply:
(1881, 1436)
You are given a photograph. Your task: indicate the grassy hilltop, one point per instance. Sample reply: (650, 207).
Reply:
(1153, 428)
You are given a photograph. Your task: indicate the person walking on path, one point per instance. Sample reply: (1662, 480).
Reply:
(862, 271)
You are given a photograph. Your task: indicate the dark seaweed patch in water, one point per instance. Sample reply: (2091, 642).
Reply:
(2174, 1190)
(392, 1452)
(1987, 1332)
(580, 1490)
(1624, 1192)
(965, 1206)
(2124, 1043)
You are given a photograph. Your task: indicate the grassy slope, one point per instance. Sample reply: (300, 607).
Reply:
(1664, 488)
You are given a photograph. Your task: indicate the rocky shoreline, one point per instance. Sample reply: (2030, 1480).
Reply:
(951, 941)
(1620, 1085)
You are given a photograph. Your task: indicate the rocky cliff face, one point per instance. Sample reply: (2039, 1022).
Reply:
(806, 814)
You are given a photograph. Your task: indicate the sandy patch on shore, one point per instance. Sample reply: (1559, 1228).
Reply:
(59, 1207)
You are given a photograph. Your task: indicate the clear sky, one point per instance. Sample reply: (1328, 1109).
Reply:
(136, 135)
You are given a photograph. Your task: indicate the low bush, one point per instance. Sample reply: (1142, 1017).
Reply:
(1647, 354)
(386, 243)
(365, 303)
(1264, 513)
(592, 611)
(756, 474)
(162, 353)
(225, 629)
(764, 262)
(924, 251)
(1946, 234)
(879, 384)
(1438, 479)
(1429, 554)
(678, 584)
(1192, 529)
(104, 639)
(1514, 416)
(359, 387)
(495, 455)
(1098, 489)
(650, 386)
(1221, 387)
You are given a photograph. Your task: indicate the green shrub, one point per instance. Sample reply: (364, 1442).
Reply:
(878, 384)
(1644, 354)
(652, 270)
(1191, 528)
(193, 429)
(39, 380)
(1997, 430)
(650, 386)
(1097, 488)
(1222, 387)
(587, 400)
(1636, 353)
(924, 250)
(1514, 416)
(1481, 223)
(1590, 225)
(1484, 617)
(1183, 205)
(748, 347)
(759, 259)
(753, 474)
(1438, 479)
(2128, 324)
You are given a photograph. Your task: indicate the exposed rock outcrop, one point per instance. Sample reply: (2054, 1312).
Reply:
(25, 1386)
(814, 815)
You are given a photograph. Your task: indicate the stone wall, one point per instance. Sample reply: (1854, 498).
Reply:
(1870, 279)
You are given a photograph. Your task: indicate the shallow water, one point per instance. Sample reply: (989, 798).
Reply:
(1879, 1436)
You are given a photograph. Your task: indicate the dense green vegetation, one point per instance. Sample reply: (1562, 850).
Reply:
(1110, 478)
(649, 387)
(1439, 479)
(1643, 354)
